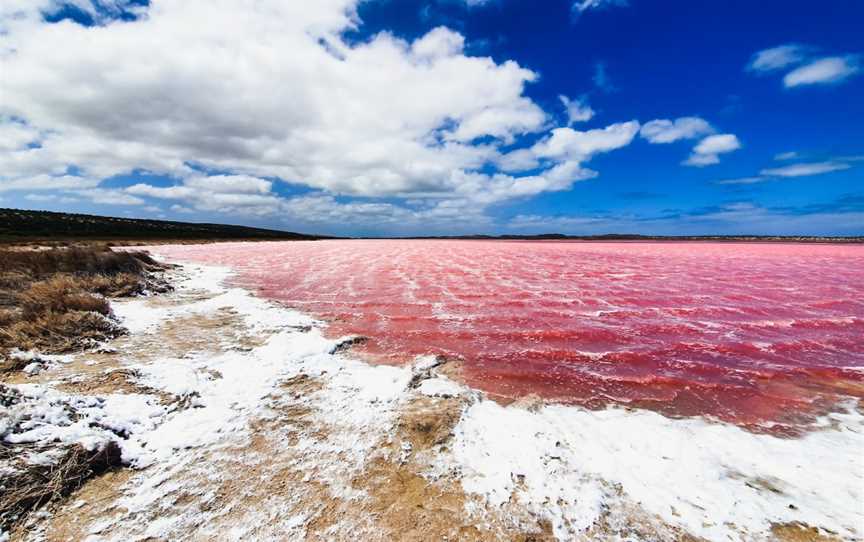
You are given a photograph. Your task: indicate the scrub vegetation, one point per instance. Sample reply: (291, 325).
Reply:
(55, 300)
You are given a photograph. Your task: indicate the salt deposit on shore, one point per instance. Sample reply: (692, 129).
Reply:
(271, 399)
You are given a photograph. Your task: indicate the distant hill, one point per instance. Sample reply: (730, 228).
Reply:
(21, 225)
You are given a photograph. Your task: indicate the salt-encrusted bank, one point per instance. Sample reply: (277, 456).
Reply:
(275, 429)
(714, 480)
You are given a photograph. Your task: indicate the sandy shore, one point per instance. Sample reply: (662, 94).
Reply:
(239, 419)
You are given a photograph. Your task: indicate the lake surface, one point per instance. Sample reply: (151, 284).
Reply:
(766, 336)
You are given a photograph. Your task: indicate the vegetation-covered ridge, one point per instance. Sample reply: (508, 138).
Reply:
(26, 225)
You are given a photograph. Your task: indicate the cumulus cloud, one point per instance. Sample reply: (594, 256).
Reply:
(441, 42)
(827, 70)
(518, 160)
(558, 157)
(777, 58)
(285, 97)
(105, 196)
(669, 131)
(240, 194)
(328, 99)
(99, 11)
(708, 151)
(380, 118)
(16, 135)
(577, 109)
(47, 182)
(54, 198)
(573, 145)
(241, 184)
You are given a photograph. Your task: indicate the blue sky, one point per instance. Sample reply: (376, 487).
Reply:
(395, 117)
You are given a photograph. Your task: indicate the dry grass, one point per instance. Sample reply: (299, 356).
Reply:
(59, 294)
(54, 299)
(77, 260)
(799, 532)
(59, 332)
(37, 485)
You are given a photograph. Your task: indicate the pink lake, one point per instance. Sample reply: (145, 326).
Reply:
(766, 336)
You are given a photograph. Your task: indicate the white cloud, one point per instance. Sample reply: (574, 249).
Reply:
(777, 58)
(791, 155)
(738, 218)
(560, 224)
(282, 96)
(793, 170)
(743, 180)
(47, 182)
(440, 42)
(518, 160)
(241, 184)
(823, 71)
(707, 152)
(50, 198)
(601, 78)
(105, 196)
(577, 109)
(810, 70)
(668, 131)
(15, 135)
(570, 144)
(366, 119)
(581, 6)
(804, 170)
(239, 194)
(177, 208)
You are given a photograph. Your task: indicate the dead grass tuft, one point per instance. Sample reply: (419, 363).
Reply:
(60, 332)
(799, 532)
(119, 285)
(37, 264)
(40, 484)
(9, 364)
(59, 294)
(54, 300)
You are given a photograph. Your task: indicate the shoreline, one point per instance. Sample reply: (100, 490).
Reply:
(349, 433)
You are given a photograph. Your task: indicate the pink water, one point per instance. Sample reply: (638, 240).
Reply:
(757, 334)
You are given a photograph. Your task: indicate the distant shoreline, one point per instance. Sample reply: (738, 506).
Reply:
(21, 226)
(645, 239)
